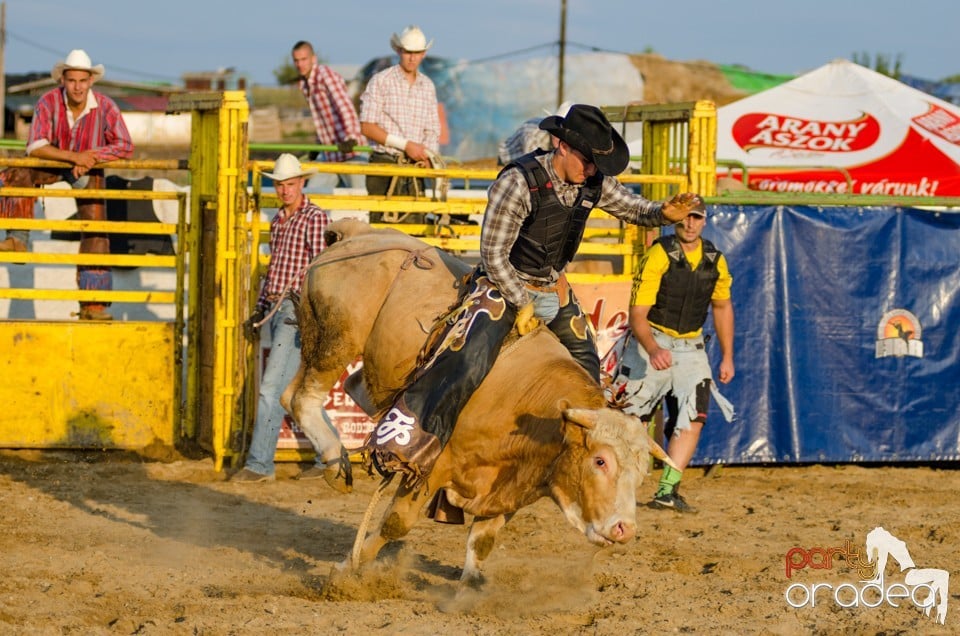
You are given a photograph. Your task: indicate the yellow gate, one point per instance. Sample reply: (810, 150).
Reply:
(219, 276)
(90, 384)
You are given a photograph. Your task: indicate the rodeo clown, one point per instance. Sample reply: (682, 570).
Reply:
(681, 277)
(536, 213)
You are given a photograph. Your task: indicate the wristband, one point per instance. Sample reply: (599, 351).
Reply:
(396, 141)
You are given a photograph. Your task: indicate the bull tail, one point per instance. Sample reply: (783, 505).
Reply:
(657, 451)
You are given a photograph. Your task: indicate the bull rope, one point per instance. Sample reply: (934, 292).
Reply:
(441, 185)
(362, 530)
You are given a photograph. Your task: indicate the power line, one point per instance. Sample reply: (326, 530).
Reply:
(36, 45)
(513, 53)
(546, 45)
(112, 67)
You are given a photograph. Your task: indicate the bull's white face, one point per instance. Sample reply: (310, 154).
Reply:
(601, 468)
(609, 497)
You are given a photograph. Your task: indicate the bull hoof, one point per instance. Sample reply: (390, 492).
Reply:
(331, 475)
(473, 581)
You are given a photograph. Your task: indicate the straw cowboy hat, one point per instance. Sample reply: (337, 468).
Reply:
(410, 39)
(587, 130)
(77, 60)
(288, 167)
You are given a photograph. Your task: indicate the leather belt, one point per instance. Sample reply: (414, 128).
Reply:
(542, 287)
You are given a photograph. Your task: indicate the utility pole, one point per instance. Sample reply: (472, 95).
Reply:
(3, 73)
(563, 46)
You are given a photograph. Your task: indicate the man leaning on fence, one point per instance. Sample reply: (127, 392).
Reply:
(77, 125)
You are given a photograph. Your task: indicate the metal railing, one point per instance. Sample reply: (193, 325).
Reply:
(105, 422)
(620, 242)
(176, 262)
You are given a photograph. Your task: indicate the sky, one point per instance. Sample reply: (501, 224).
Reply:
(137, 40)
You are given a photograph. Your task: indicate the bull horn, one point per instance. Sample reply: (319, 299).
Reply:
(587, 418)
(657, 451)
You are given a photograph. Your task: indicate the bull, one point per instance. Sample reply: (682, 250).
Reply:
(538, 426)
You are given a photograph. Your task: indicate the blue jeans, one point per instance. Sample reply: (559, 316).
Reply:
(546, 305)
(282, 365)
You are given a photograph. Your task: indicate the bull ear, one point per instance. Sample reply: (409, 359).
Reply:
(587, 418)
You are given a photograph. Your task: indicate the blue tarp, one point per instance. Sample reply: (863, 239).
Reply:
(486, 101)
(847, 346)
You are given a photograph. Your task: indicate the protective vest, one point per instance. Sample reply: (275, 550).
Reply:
(551, 234)
(684, 295)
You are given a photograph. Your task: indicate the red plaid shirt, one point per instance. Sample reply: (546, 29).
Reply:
(100, 126)
(295, 240)
(333, 113)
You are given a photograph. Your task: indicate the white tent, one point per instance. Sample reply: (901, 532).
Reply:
(843, 128)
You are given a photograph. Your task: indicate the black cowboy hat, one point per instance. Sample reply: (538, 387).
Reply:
(587, 130)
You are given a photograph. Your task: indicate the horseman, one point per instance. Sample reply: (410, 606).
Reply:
(536, 214)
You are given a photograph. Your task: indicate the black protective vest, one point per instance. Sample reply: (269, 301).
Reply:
(551, 234)
(684, 295)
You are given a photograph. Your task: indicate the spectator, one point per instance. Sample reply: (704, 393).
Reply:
(75, 124)
(399, 114)
(536, 213)
(296, 238)
(681, 276)
(334, 117)
(527, 138)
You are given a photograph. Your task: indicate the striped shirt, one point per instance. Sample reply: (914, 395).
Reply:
(295, 240)
(334, 116)
(508, 205)
(99, 127)
(401, 108)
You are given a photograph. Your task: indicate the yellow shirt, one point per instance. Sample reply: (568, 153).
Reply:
(654, 265)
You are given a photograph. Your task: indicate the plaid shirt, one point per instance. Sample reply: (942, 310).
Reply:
(99, 127)
(400, 108)
(508, 205)
(295, 240)
(333, 113)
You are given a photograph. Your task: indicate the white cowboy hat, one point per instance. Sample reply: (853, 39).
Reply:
(287, 167)
(77, 60)
(410, 39)
(561, 111)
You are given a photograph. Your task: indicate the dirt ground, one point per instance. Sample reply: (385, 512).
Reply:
(106, 543)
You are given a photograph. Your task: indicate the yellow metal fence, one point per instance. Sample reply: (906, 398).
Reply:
(93, 384)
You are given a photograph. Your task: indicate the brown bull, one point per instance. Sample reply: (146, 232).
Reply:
(538, 426)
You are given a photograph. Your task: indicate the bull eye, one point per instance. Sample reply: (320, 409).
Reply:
(599, 462)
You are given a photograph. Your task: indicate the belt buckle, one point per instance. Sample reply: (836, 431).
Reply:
(540, 287)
